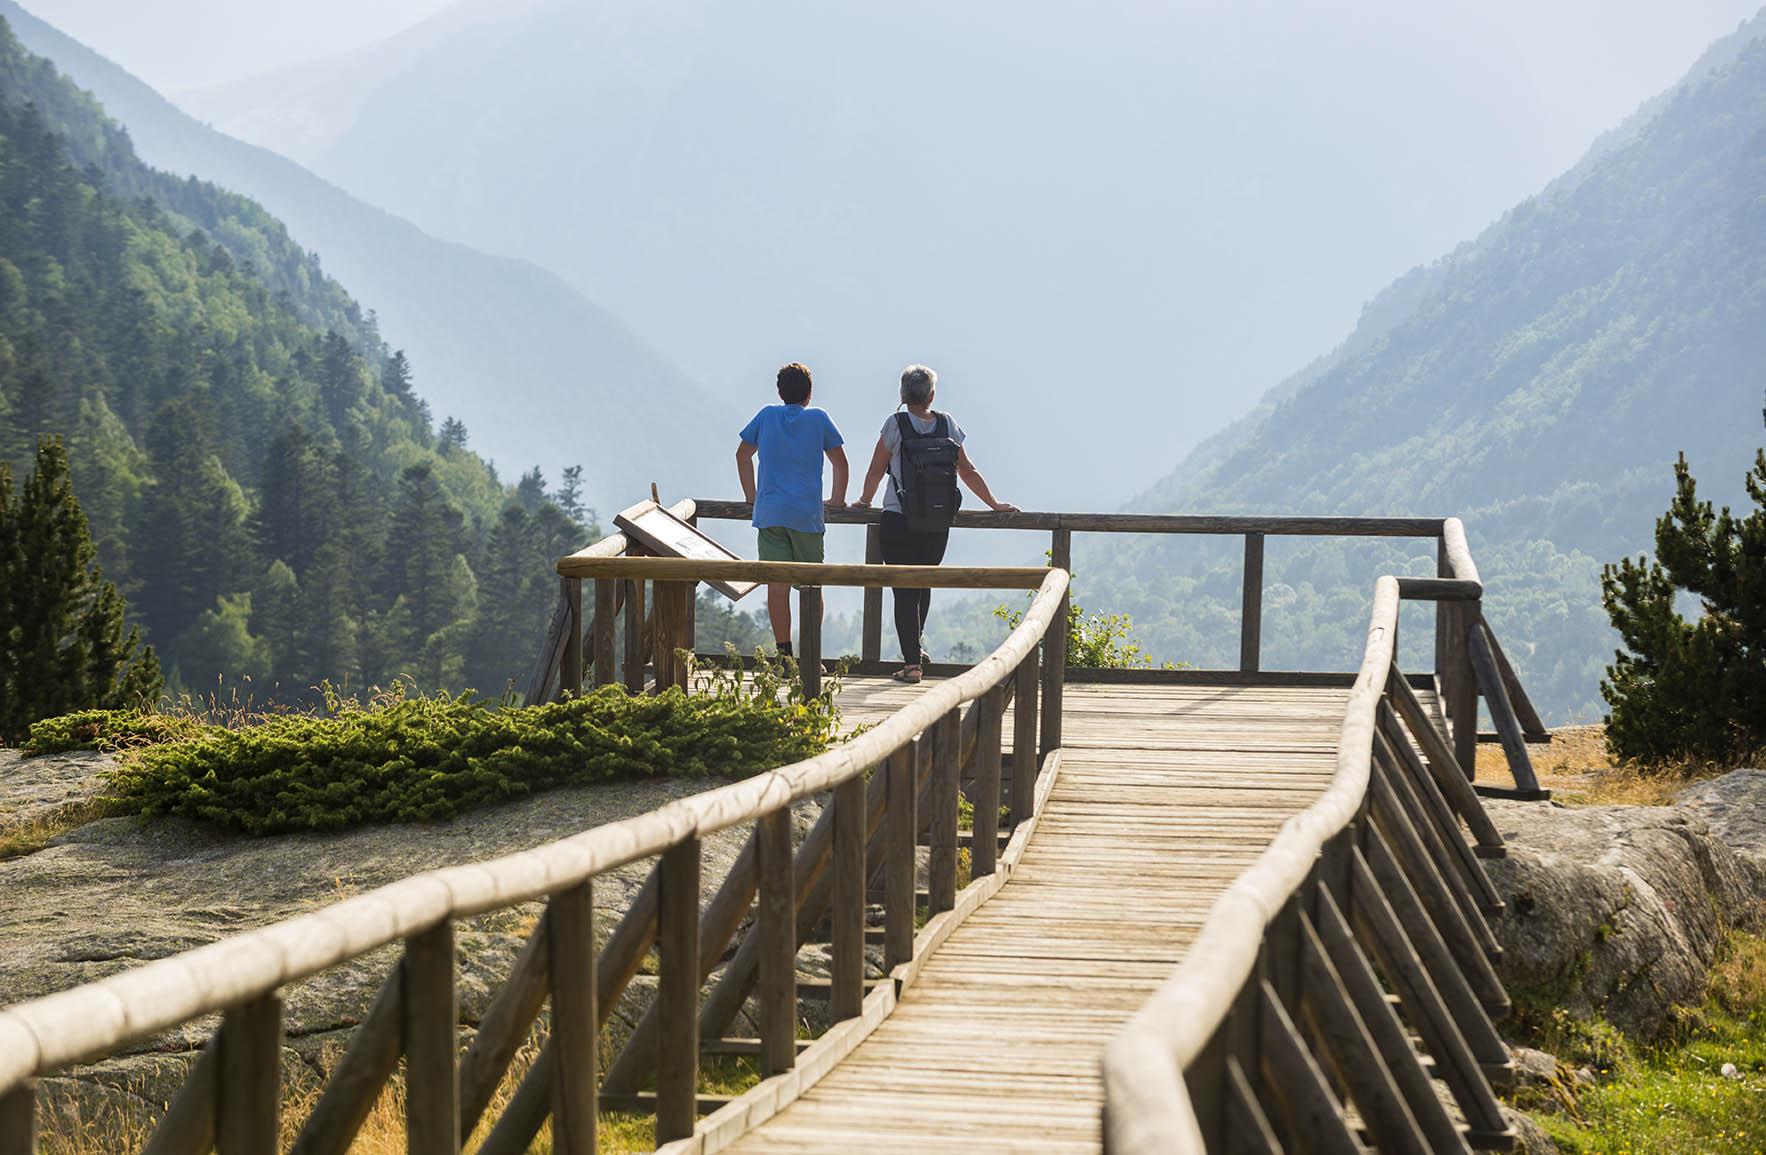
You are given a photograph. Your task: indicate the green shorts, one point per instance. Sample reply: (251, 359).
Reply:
(780, 544)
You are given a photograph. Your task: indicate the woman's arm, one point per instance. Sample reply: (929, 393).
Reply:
(874, 475)
(973, 479)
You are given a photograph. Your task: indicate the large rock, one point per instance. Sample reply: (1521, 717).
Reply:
(1734, 807)
(114, 893)
(1616, 910)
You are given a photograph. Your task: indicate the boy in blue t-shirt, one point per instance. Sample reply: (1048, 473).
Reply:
(791, 439)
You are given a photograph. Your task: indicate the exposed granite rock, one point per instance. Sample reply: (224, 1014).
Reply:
(1616, 910)
(1734, 807)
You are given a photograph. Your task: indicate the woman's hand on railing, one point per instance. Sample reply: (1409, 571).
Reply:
(1004, 507)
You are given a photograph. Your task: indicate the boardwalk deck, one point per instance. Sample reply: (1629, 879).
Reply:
(1165, 794)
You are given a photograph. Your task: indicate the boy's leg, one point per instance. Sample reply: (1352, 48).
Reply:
(775, 545)
(809, 547)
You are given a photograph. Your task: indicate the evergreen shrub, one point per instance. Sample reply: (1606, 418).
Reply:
(428, 758)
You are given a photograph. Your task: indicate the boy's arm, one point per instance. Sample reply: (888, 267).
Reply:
(745, 469)
(837, 457)
(874, 475)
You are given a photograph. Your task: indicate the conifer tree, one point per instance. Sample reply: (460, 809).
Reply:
(1694, 688)
(63, 642)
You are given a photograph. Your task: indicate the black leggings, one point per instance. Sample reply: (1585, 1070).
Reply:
(902, 546)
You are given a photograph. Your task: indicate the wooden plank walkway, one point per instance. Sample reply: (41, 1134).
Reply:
(1165, 794)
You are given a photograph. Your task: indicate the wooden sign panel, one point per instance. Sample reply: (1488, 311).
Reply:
(663, 534)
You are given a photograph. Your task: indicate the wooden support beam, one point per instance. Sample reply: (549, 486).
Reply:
(1378, 927)
(1024, 731)
(677, 994)
(189, 1122)
(1348, 1049)
(776, 932)
(607, 593)
(1523, 705)
(1502, 712)
(871, 631)
(570, 670)
(18, 1119)
(901, 832)
(1391, 1040)
(941, 868)
(504, 1026)
(801, 573)
(570, 957)
(1247, 1128)
(248, 1104)
(1251, 606)
(1444, 766)
(809, 640)
(847, 906)
(633, 666)
(1054, 647)
(985, 797)
(429, 1015)
(1295, 1082)
(1446, 822)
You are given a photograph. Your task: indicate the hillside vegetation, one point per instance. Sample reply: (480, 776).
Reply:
(504, 345)
(263, 483)
(1536, 382)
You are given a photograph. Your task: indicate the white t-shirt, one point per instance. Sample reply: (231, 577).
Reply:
(892, 442)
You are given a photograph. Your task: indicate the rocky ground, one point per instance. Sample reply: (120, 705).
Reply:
(113, 893)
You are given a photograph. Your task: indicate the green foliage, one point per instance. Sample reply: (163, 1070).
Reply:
(109, 730)
(63, 641)
(427, 758)
(262, 480)
(1693, 689)
(1674, 1098)
(1094, 641)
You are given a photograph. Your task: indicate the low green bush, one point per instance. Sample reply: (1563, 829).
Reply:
(423, 759)
(108, 730)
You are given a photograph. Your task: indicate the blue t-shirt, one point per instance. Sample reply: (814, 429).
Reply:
(792, 440)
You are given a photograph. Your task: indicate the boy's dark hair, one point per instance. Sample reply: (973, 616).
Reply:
(794, 383)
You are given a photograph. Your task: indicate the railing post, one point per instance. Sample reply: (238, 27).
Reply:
(1251, 611)
(677, 994)
(776, 924)
(941, 798)
(570, 946)
(606, 609)
(18, 1120)
(871, 636)
(809, 640)
(1024, 765)
(570, 668)
(901, 840)
(1454, 678)
(248, 1106)
(634, 636)
(430, 1011)
(1054, 645)
(984, 830)
(846, 906)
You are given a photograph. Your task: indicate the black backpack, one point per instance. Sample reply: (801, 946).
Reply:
(927, 487)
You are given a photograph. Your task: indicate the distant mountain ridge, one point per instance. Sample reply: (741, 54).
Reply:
(538, 374)
(1538, 382)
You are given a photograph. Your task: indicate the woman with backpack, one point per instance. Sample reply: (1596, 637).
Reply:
(921, 452)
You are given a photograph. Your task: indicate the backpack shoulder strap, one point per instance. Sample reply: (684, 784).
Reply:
(906, 426)
(942, 429)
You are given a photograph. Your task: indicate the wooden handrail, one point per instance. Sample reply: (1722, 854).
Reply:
(802, 573)
(1227, 525)
(59, 1030)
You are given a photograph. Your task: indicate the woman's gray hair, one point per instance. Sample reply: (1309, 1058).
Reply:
(917, 383)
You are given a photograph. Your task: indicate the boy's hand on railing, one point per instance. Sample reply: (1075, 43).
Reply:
(834, 503)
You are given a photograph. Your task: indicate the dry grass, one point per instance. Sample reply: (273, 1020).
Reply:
(68, 1132)
(1579, 770)
(38, 831)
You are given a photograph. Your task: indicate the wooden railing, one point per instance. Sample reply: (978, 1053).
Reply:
(231, 1100)
(1277, 1032)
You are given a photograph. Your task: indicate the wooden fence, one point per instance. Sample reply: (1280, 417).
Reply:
(1277, 1032)
(872, 825)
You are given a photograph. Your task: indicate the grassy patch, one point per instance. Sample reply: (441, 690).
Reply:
(1674, 1097)
(35, 833)
(1579, 770)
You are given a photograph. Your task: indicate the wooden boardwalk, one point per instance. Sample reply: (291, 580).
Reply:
(1165, 793)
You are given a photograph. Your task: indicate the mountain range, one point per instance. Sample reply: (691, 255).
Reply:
(537, 372)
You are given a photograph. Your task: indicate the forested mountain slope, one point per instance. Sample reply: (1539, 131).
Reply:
(261, 478)
(535, 371)
(1539, 387)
